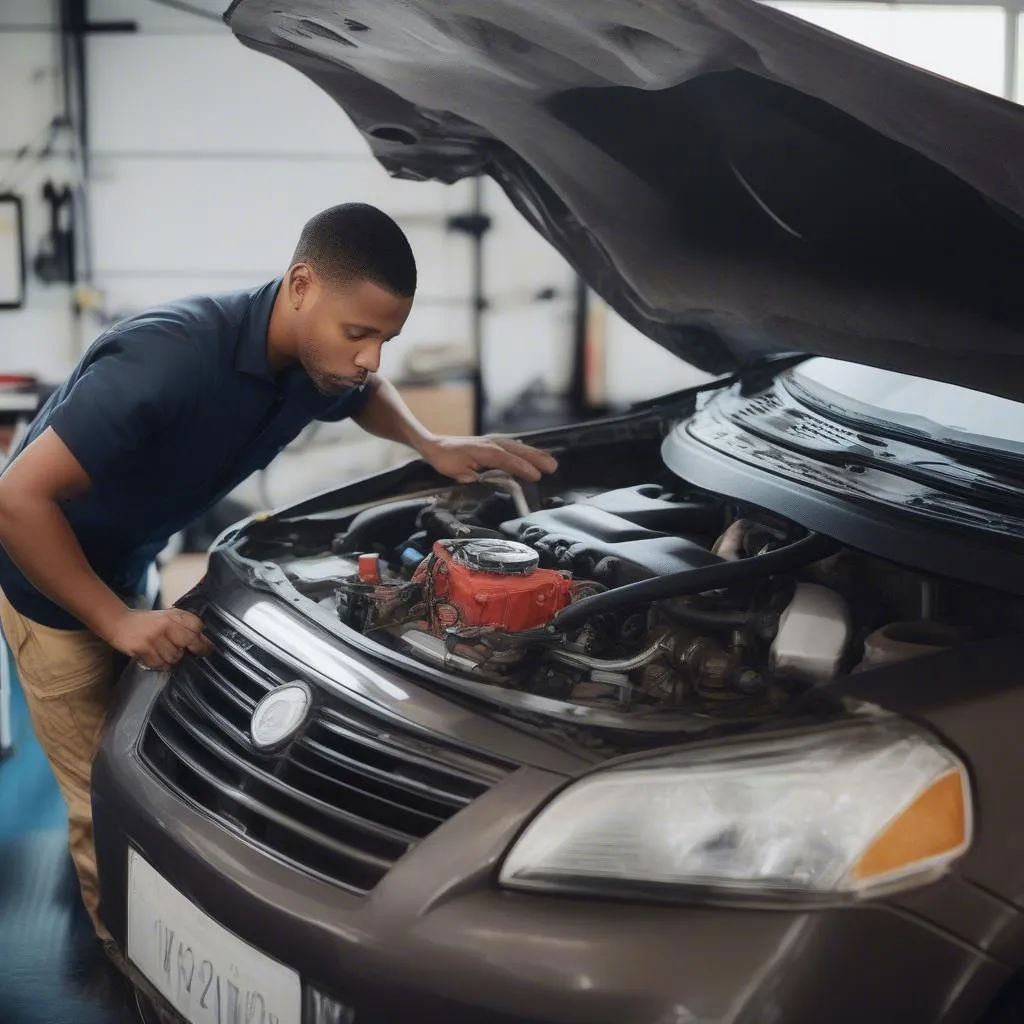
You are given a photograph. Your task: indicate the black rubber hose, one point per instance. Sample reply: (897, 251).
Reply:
(363, 529)
(440, 523)
(811, 548)
(709, 618)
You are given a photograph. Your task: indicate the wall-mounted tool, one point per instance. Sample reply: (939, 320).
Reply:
(12, 253)
(55, 261)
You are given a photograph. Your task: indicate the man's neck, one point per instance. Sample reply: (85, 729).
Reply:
(280, 343)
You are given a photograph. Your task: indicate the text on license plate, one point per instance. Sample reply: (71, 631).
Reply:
(208, 974)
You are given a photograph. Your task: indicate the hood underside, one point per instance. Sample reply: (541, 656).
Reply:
(732, 180)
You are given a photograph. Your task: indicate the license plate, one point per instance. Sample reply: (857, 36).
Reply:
(208, 974)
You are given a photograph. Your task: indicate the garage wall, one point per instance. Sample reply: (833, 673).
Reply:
(44, 333)
(208, 159)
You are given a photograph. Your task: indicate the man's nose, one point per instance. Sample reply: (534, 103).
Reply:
(368, 357)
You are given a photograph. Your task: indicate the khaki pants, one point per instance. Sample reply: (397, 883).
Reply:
(67, 678)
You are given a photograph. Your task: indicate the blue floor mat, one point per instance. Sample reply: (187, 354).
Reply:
(52, 969)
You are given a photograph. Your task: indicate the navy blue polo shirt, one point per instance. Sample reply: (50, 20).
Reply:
(167, 412)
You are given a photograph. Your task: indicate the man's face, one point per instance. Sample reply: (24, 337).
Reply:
(340, 329)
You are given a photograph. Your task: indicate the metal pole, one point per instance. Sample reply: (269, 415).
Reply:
(578, 404)
(479, 304)
(1011, 51)
(75, 27)
(80, 124)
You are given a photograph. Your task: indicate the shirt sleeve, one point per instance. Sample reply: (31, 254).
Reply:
(346, 406)
(142, 381)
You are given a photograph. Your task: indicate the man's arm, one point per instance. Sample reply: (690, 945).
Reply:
(37, 536)
(387, 416)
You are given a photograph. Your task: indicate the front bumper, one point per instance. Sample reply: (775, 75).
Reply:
(437, 940)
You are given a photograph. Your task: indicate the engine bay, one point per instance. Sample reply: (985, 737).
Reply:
(645, 598)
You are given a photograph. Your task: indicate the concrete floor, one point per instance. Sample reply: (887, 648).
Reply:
(52, 968)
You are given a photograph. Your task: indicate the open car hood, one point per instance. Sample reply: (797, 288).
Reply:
(732, 180)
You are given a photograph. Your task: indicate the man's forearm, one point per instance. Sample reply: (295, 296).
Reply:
(387, 416)
(461, 458)
(39, 539)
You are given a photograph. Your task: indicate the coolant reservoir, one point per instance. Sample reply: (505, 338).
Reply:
(490, 582)
(814, 632)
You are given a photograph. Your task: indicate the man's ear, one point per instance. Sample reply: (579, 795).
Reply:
(300, 284)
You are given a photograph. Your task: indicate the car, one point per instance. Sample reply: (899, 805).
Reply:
(721, 722)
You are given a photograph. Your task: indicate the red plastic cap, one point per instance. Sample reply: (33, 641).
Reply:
(369, 568)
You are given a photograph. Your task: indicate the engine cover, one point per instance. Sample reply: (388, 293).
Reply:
(618, 537)
(489, 582)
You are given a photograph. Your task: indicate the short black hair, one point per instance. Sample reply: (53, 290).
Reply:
(355, 241)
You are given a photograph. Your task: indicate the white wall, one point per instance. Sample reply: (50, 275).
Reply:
(42, 335)
(208, 158)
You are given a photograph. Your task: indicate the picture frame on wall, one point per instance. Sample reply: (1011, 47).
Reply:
(12, 252)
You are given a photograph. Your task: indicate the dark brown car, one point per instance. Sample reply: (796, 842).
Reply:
(723, 722)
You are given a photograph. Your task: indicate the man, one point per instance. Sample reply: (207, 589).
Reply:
(166, 413)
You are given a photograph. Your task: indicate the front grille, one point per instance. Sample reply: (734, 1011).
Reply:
(349, 796)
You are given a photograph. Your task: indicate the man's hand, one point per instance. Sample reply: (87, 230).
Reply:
(384, 414)
(158, 640)
(464, 458)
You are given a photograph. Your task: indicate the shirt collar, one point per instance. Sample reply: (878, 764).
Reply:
(251, 352)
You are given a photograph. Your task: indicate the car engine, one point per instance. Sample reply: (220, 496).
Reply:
(642, 598)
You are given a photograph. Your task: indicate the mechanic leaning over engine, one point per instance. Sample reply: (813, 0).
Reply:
(166, 413)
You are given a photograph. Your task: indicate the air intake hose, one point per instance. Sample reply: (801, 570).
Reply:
(365, 528)
(811, 548)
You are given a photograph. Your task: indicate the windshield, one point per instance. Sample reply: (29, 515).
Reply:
(943, 412)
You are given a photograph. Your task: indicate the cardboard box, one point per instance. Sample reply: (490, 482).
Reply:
(442, 408)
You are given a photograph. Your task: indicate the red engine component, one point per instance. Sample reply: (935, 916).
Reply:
(489, 582)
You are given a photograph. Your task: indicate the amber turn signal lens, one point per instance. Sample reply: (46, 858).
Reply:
(934, 825)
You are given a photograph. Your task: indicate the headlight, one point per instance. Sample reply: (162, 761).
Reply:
(845, 813)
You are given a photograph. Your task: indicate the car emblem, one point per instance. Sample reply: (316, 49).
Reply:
(279, 715)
